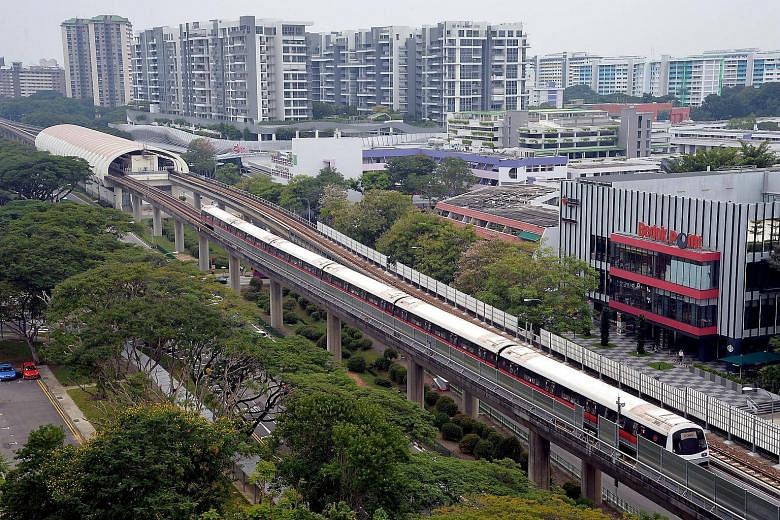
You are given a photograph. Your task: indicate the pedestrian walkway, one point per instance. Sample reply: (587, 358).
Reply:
(66, 404)
(624, 351)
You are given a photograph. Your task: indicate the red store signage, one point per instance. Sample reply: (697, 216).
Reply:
(670, 236)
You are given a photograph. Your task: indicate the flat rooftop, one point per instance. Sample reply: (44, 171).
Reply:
(739, 186)
(512, 202)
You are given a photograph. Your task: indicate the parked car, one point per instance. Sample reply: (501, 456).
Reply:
(7, 372)
(30, 371)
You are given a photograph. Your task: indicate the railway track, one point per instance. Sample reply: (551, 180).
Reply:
(738, 463)
(21, 130)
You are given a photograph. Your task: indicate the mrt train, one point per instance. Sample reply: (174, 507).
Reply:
(516, 367)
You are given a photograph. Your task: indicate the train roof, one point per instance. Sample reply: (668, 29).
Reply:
(466, 330)
(368, 284)
(594, 389)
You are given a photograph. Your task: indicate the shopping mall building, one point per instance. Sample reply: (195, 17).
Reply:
(686, 251)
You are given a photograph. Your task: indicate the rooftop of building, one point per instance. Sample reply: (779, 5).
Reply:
(749, 185)
(607, 163)
(512, 202)
(495, 160)
(99, 18)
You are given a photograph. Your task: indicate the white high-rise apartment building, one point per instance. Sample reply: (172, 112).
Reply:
(470, 66)
(689, 78)
(98, 63)
(245, 70)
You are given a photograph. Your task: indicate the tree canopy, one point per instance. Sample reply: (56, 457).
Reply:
(732, 102)
(368, 219)
(374, 180)
(228, 173)
(150, 462)
(200, 157)
(547, 290)
(404, 171)
(719, 158)
(29, 174)
(427, 243)
(303, 193)
(589, 96)
(538, 507)
(262, 186)
(42, 244)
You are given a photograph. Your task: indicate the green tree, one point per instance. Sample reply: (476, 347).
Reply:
(401, 168)
(769, 377)
(42, 244)
(152, 461)
(455, 176)
(200, 157)
(542, 506)
(262, 186)
(540, 287)
(228, 173)
(740, 102)
(374, 180)
(366, 220)
(760, 156)
(304, 194)
(338, 448)
(29, 174)
(427, 243)
(704, 160)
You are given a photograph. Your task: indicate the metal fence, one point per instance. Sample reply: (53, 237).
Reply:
(760, 433)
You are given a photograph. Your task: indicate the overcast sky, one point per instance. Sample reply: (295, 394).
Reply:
(29, 29)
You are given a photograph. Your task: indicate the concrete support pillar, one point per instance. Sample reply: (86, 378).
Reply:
(137, 201)
(273, 136)
(316, 133)
(297, 134)
(196, 199)
(221, 205)
(414, 382)
(234, 269)
(178, 235)
(470, 405)
(591, 483)
(538, 460)
(118, 194)
(277, 318)
(334, 336)
(156, 221)
(203, 252)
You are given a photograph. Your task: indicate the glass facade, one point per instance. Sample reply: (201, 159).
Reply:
(763, 235)
(680, 271)
(697, 313)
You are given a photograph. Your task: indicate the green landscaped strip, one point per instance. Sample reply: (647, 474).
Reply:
(661, 365)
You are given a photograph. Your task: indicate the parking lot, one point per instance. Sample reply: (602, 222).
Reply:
(24, 406)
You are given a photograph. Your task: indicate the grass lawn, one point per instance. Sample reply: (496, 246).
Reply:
(69, 376)
(14, 351)
(97, 411)
(661, 365)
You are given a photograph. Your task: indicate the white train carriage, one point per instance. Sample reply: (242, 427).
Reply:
(524, 366)
(518, 367)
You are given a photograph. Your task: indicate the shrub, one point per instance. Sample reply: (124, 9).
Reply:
(398, 373)
(510, 448)
(356, 364)
(311, 309)
(363, 344)
(484, 450)
(451, 432)
(310, 332)
(323, 343)
(290, 317)
(431, 398)
(289, 304)
(468, 443)
(390, 353)
(440, 418)
(346, 354)
(383, 381)
(572, 490)
(468, 424)
(382, 364)
(494, 438)
(447, 405)
(316, 316)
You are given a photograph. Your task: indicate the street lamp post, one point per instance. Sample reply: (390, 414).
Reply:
(528, 324)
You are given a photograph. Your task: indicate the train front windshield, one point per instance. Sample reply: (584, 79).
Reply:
(688, 442)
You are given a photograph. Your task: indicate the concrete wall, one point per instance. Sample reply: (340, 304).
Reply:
(345, 154)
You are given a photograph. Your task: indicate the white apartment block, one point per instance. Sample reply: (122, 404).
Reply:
(245, 70)
(98, 63)
(690, 78)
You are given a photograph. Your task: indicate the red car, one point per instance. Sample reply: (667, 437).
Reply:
(30, 371)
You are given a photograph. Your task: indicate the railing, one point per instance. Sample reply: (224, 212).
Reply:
(713, 413)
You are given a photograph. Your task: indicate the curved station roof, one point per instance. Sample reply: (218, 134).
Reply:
(98, 148)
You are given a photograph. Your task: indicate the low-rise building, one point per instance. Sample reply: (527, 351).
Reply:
(18, 81)
(685, 251)
(518, 214)
(693, 138)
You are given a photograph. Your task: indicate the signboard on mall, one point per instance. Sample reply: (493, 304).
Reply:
(670, 236)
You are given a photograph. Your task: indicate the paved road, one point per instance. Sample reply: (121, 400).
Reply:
(24, 406)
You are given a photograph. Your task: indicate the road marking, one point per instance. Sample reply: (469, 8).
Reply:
(76, 434)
